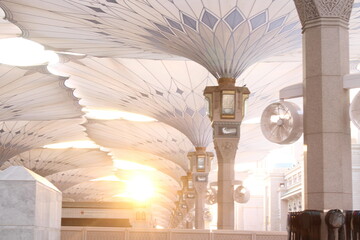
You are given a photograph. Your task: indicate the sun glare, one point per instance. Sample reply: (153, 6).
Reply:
(111, 178)
(127, 165)
(115, 114)
(23, 52)
(74, 144)
(139, 188)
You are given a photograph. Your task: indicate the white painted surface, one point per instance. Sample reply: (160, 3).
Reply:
(30, 207)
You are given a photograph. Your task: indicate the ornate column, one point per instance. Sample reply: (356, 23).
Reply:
(200, 162)
(328, 183)
(327, 163)
(226, 110)
(188, 192)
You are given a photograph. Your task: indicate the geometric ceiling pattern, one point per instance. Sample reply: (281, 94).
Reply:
(66, 179)
(49, 161)
(224, 38)
(151, 57)
(94, 191)
(32, 93)
(148, 159)
(20, 136)
(169, 91)
(155, 138)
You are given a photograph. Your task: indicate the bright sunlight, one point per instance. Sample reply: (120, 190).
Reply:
(139, 188)
(23, 52)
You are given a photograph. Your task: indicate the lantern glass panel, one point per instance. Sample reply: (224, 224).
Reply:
(190, 184)
(228, 104)
(200, 163)
(208, 104)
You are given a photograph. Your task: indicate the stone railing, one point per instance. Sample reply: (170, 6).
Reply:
(97, 233)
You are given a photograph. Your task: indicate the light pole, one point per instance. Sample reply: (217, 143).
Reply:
(200, 165)
(226, 109)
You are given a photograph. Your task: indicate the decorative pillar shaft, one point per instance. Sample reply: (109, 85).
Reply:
(226, 110)
(189, 225)
(200, 167)
(328, 183)
(226, 152)
(200, 188)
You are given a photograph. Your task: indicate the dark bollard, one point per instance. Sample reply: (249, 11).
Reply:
(305, 222)
(297, 226)
(316, 225)
(335, 221)
(304, 225)
(355, 226)
(348, 217)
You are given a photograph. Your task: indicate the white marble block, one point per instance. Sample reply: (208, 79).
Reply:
(30, 206)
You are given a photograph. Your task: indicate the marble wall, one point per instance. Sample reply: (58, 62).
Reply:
(30, 206)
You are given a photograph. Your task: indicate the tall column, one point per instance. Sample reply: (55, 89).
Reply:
(200, 188)
(328, 183)
(226, 110)
(200, 162)
(226, 152)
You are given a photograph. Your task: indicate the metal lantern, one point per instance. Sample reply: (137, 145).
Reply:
(226, 102)
(200, 163)
(200, 160)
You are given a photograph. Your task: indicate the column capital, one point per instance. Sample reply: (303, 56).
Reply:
(200, 187)
(226, 149)
(310, 10)
(200, 161)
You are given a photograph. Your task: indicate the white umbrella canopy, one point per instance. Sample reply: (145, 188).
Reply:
(94, 190)
(147, 159)
(69, 178)
(167, 90)
(151, 137)
(49, 161)
(34, 94)
(7, 29)
(20, 136)
(223, 37)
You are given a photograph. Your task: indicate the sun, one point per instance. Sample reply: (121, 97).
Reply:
(139, 188)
